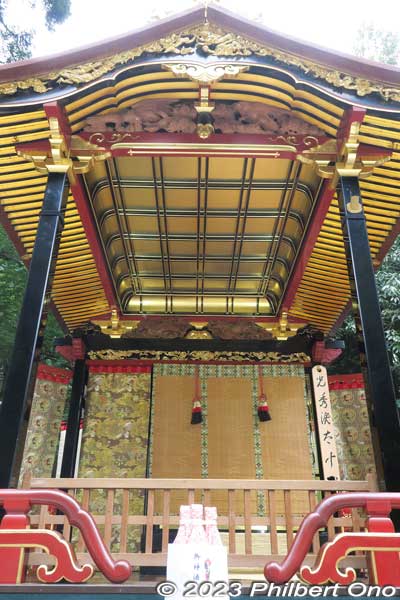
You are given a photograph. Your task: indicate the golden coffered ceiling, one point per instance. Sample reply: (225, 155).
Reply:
(196, 235)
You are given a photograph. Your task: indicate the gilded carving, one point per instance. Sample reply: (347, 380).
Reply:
(37, 84)
(205, 73)
(199, 355)
(283, 329)
(198, 334)
(206, 39)
(204, 130)
(204, 121)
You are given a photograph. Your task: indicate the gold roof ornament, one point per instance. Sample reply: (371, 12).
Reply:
(205, 74)
(283, 329)
(76, 159)
(113, 326)
(347, 162)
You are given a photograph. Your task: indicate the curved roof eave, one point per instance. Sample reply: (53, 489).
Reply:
(358, 67)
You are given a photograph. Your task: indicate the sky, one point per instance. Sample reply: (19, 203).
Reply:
(331, 24)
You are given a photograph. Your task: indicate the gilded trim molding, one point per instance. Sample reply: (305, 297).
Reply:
(207, 39)
(199, 355)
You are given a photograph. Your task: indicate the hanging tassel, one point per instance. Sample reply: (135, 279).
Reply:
(197, 416)
(263, 409)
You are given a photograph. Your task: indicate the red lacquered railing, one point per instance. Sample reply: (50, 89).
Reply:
(14, 532)
(380, 542)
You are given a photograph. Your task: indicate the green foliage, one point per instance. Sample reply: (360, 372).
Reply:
(57, 11)
(349, 361)
(12, 286)
(388, 284)
(13, 277)
(15, 43)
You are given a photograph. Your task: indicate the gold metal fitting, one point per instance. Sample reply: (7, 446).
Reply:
(354, 206)
(204, 130)
(113, 326)
(74, 159)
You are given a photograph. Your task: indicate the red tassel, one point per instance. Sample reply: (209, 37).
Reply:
(197, 416)
(263, 409)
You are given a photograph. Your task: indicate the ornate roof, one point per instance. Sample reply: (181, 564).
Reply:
(202, 151)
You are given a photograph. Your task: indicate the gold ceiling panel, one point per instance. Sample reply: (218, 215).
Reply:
(201, 235)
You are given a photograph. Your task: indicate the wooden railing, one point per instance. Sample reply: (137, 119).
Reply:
(257, 518)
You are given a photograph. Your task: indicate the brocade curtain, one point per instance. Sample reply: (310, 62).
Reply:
(351, 420)
(115, 435)
(48, 404)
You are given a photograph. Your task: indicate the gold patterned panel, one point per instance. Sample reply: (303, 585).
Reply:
(114, 442)
(115, 438)
(353, 433)
(42, 438)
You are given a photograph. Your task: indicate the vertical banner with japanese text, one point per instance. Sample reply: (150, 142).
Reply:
(327, 442)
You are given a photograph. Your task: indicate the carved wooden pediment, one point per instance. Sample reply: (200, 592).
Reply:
(181, 117)
(238, 329)
(174, 328)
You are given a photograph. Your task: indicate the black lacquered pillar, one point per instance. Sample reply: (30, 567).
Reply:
(367, 314)
(32, 321)
(74, 418)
